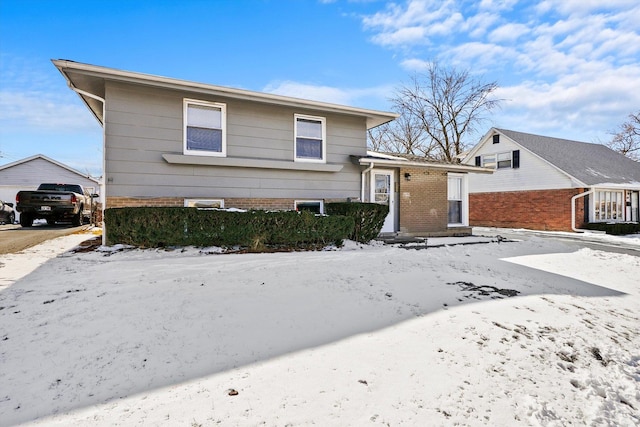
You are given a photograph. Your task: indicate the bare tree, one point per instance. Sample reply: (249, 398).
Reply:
(445, 104)
(404, 135)
(627, 139)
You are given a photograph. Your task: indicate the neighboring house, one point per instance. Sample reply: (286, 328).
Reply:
(170, 142)
(546, 183)
(27, 174)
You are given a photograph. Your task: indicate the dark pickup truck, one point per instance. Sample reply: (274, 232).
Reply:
(56, 202)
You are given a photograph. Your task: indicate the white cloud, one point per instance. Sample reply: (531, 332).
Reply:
(412, 24)
(508, 33)
(43, 112)
(374, 97)
(588, 105)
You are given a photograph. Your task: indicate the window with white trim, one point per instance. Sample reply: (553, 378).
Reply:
(315, 206)
(204, 203)
(504, 160)
(310, 139)
(205, 128)
(608, 206)
(489, 161)
(508, 160)
(455, 199)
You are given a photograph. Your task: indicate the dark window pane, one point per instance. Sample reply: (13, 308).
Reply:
(204, 139)
(455, 212)
(309, 206)
(309, 148)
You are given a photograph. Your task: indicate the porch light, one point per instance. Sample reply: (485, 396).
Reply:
(407, 176)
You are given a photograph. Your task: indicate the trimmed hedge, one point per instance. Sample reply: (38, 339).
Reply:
(256, 230)
(615, 228)
(368, 217)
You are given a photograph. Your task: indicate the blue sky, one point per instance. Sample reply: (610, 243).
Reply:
(566, 68)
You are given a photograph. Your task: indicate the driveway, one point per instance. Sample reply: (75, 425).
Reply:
(14, 238)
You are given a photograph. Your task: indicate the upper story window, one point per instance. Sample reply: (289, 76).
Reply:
(509, 160)
(489, 161)
(205, 128)
(310, 139)
(504, 160)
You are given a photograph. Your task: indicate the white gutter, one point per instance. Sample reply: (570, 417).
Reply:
(103, 187)
(573, 210)
(364, 172)
(429, 165)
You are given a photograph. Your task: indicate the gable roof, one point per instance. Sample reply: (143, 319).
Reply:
(592, 164)
(89, 82)
(50, 160)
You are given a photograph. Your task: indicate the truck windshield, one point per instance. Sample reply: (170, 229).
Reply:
(60, 187)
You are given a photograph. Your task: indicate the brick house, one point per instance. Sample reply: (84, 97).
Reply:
(546, 183)
(425, 198)
(170, 142)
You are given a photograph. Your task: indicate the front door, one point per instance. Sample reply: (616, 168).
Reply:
(382, 191)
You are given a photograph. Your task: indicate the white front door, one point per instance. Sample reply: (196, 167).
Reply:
(382, 191)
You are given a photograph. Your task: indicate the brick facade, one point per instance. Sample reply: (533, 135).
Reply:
(536, 210)
(238, 203)
(423, 201)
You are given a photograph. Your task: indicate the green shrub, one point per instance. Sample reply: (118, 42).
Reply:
(614, 228)
(368, 218)
(255, 230)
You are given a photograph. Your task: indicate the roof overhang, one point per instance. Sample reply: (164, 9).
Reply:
(92, 78)
(403, 163)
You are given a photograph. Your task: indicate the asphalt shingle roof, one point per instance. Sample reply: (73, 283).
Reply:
(590, 163)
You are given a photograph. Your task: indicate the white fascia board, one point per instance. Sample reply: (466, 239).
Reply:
(424, 165)
(374, 117)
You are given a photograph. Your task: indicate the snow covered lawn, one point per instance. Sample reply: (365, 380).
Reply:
(501, 334)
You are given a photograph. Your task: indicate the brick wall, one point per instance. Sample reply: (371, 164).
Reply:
(423, 201)
(536, 210)
(239, 203)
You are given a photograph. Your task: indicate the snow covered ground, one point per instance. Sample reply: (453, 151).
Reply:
(533, 332)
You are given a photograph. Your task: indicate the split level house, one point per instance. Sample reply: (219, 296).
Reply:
(170, 142)
(546, 183)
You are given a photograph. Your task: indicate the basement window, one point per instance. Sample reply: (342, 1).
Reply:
(204, 203)
(314, 206)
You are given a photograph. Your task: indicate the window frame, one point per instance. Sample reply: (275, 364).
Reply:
(510, 160)
(187, 203)
(302, 201)
(608, 206)
(464, 200)
(323, 141)
(223, 124)
(493, 160)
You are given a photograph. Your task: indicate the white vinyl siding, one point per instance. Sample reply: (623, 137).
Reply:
(310, 139)
(533, 172)
(204, 128)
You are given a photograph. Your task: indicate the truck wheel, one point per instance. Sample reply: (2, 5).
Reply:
(12, 218)
(26, 220)
(77, 219)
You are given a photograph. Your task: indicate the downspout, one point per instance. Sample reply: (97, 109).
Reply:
(104, 141)
(364, 172)
(573, 210)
